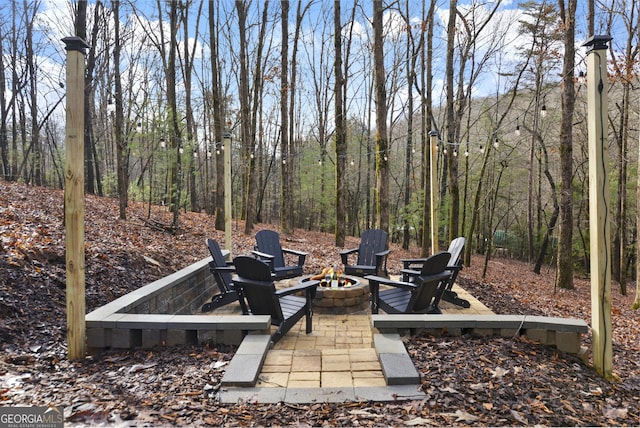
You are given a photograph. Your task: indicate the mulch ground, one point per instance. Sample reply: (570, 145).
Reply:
(468, 381)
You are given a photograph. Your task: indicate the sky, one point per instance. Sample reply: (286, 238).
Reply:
(56, 17)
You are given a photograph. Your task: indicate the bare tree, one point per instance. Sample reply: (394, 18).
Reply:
(286, 216)
(382, 143)
(565, 235)
(341, 131)
(218, 115)
(122, 155)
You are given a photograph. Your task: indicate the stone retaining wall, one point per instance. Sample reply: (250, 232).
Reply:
(162, 313)
(563, 333)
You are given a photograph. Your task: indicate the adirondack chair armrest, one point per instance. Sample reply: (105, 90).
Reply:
(410, 263)
(435, 277)
(380, 280)
(374, 287)
(301, 255)
(344, 255)
(307, 285)
(407, 274)
(227, 268)
(383, 253)
(267, 258)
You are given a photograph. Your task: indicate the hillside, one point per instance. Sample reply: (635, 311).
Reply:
(124, 255)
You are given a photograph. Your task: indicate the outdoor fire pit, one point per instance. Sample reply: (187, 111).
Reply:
(349, 297)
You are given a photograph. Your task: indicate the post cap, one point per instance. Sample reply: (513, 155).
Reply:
(597, 42)
(75, 44)
(433, 133)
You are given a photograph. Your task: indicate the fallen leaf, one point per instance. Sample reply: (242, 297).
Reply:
(461, 416)
(419, 422)
(518, 417)
(499, 372)
(615, 413)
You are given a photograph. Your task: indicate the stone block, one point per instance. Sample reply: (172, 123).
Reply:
(122, 338)
(509, 332)
(485, 332)
(232, 337)
(568, 341)
(212, 336)
(243, 370)
(351, 301)
(181, 337)
(151, 338)
(398, 369)
(389, 344)
(98, 337)
(539, 335)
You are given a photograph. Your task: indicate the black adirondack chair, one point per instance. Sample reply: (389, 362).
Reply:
(268, 249)
(372, 254)
(222, 270)
(255, 283)
(411, 270)
(421, 296)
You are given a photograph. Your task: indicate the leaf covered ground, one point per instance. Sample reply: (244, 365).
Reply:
(466, 380)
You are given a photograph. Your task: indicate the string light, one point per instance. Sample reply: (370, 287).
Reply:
(496, 143)
(353, 162)
(481, 149)
(543, 110)
(517, 127)
(582, 78)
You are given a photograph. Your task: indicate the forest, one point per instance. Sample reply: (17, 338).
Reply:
(329, 111)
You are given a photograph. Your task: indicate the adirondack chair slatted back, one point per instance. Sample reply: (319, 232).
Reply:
(455, 248)
(268, 241)
(258, 288)
(425, 294)
(373, 241)
(223, 279)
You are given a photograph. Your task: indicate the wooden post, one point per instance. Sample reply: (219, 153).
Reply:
(74, 197)
(599, 204)
(227, 192)
(433, 172)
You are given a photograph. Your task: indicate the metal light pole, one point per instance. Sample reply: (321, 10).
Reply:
(227, 191)
(74, 198)
(599, 205)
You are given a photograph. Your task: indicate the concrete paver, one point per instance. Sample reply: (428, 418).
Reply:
(337, 362)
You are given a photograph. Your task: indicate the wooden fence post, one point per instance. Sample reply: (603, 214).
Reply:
(599, 205)
(74, 197)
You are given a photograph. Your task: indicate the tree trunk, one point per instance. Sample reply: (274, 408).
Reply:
(636, 302)
(411, 66)
(382, 143)
(556, 207)
(341, 132)
(427, 84)
(285, 215)
(218, 116)
(565, 235)
(122, 150)
(174, 124)
(245, 102)
(4, 139)
(452, 161)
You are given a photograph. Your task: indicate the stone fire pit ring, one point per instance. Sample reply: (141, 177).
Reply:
(341, 300)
